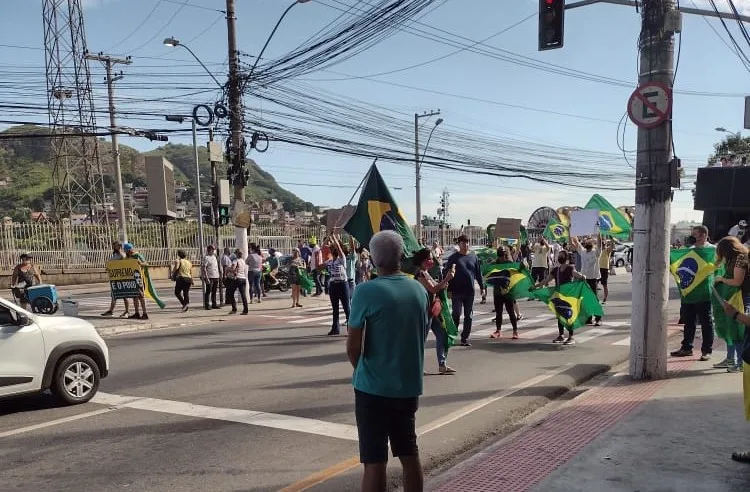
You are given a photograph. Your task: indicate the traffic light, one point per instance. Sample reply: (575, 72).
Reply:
(207, 215)
(223, 215)
(551, 24)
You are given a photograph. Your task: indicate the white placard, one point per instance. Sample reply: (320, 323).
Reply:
(584, 223)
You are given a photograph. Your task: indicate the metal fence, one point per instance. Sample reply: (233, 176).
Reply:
(71, 246)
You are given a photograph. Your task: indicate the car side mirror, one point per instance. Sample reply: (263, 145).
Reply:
(22, 319)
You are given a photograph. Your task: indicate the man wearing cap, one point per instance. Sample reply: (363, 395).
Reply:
(466, 271)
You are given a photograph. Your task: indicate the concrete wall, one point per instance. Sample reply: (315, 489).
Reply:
(86, 276)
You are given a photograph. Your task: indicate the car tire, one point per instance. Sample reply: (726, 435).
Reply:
(620, 263)
(76, 379)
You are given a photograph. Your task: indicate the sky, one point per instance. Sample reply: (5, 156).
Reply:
(475, 93)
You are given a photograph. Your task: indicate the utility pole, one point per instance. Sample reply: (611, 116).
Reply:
(109, 62)
(215, 213)
(653, 195)
(418, 166)
(444, 204)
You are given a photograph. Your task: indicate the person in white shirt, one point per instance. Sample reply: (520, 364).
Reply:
(316, 261)
(237, 273)
(338, 289)
(210, 276)
(539, 264)
(590, 266)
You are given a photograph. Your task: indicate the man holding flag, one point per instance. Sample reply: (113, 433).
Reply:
(693, 270)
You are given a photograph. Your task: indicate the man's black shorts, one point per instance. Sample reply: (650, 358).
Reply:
(604, 275)
(381, 419)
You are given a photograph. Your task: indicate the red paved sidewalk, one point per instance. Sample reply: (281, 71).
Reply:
(599, 441)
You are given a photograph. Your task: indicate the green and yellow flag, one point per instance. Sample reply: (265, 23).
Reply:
(732, 332)
(509, 279)
(557, 232)
(692, 269)
(377, 211)
(612, 222)
(446, 319)
(572, 303)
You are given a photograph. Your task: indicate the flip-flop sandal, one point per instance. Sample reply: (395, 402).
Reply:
(743, 457)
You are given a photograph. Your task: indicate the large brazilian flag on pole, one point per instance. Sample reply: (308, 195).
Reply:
(612, 222)
(377, 211)
(557, 232)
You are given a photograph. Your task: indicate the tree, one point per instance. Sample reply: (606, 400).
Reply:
(731, 145)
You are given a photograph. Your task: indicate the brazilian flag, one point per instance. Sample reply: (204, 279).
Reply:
(306, 284)
(377, 211)
(524, 236)
(557, 232)
(733, 332)
(486, 255)
(446, 319)
(573, 303)
(692, 269)
(509, 279)
(612, 222)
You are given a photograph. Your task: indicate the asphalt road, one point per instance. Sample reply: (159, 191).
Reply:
(265, 402)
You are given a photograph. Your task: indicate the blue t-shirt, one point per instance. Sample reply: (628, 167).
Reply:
(393, 312)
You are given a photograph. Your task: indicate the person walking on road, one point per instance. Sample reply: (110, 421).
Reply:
(698, 311)
(423, 259)
(734, 255)
(604, 262)
(255, 271)
(238, 276)
(562, 274)
(226, 263)
(339, 285)
(117, 254)
(316, 263)
(503, 301)
(466, 272)
(139, 303)
(590, 268)
(210, 276)
(390, 313)
(296, 266)
(182, 274)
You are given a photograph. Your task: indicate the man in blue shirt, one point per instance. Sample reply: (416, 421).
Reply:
(461, 288)
(386, 347)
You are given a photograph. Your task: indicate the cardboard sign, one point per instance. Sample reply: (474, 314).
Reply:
(125, 278)
(508, 228)
(584, 223)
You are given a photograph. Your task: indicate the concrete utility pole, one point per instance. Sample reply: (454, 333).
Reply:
(418, 166)
(237, 141)
(108, 62)
(444, 202)
(648, 345)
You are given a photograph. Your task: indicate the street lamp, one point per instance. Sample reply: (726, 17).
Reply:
(181, 119)
(174, 42)
(737, 135)
(418, 163)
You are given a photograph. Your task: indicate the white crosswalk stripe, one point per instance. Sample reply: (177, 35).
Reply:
(310, 320)
(623, 342)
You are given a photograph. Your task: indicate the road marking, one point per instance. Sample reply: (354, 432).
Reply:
(250, 417)
(316, 309)
(310, 320)
(623, 342)
(353, 462)
(524, 322)
(592, 333)
(276, 316)
(539, 332)
(51, 423)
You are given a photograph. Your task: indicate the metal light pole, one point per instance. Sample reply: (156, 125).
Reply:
(418, 165)
(173, 42)
(737, 135)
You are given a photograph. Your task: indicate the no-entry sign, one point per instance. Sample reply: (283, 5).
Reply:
(650, 105)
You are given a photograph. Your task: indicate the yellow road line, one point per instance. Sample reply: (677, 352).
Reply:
(323, 475)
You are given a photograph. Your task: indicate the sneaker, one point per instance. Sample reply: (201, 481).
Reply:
(734, 368)
(185, 309)
(724, 364)
(215, 307)
(107, 313)
(559, 339)
(134, 316)
(515, 336)
(447, 370)
(144, 316)
(705, 357)
(569, 341)
(519, 317)
(233, 311)
(334, 332)
(604, 301)
(496, 334)
(244, 313)
(465, 343)
(683, 352)
(598, 323)
(494, 319)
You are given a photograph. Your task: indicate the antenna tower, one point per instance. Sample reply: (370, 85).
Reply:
(74, 155)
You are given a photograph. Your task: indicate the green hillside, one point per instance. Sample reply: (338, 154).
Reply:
(26, 162)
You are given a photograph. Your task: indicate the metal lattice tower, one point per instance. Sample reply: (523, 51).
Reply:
(76, 168)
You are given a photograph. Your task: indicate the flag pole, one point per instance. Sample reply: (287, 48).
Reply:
(338, 221)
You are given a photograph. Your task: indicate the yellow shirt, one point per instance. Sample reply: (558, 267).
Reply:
(604, 257)
(184, 268)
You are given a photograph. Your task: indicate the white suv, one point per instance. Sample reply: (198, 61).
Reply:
(39, 353)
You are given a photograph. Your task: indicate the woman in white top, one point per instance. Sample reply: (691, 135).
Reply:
(237, 275)
(590, 267)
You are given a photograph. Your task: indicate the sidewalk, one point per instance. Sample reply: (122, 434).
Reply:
(672, 435)
(172, 316)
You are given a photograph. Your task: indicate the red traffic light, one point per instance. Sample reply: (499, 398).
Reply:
(551, 23)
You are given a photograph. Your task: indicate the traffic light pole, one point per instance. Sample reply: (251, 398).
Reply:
(215, 216)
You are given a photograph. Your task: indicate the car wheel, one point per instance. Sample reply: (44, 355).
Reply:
(620, 263)
(76, 379)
